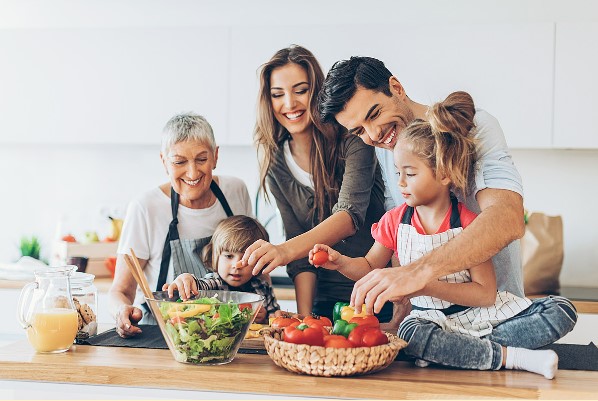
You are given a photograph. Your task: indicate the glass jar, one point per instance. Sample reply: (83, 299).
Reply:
(85, 298)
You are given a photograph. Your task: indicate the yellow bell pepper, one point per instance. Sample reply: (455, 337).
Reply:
(191, 309)
(347, 312)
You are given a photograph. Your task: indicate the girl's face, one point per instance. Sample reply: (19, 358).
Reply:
(289, 93)
(416, 179)
(189, 166)
(229, 272)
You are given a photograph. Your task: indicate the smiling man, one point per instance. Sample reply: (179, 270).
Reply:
(363, 96)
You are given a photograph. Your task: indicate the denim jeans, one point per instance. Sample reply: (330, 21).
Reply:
(543, 322)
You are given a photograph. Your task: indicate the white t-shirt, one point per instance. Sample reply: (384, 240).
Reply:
(148, 217)
(300, 175)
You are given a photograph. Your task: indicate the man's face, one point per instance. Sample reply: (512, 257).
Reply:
(375, 117)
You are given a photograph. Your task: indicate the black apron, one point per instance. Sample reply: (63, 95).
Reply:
(185, 253)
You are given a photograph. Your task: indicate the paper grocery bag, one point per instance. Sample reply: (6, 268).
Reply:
(542, 254)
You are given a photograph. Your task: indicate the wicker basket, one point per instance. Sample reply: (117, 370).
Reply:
(320, 361)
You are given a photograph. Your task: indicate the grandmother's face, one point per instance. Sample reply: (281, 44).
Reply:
(189, 165)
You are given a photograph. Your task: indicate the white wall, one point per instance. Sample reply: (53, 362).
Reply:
(42, 182)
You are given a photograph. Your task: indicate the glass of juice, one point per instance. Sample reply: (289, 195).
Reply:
(46, 310)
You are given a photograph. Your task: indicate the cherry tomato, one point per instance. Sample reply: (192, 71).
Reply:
(337, 341)
(244, 306)
(374, 337)
(320, 258)
(282, 321)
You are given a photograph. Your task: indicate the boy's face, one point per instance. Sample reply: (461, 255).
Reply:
(376, 118)
(228, 270)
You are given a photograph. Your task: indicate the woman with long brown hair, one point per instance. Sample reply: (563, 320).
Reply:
(326, 183)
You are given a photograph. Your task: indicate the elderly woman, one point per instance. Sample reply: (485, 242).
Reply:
(169, 225)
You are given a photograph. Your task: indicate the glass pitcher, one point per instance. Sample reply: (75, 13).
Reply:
(46, 310)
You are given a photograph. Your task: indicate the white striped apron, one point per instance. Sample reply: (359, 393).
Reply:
(474, 321)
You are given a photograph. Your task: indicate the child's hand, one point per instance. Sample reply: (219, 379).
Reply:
(186, 285)
(324, 256)
(260, 316)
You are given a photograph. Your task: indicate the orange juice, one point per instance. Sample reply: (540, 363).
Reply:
(53, 330)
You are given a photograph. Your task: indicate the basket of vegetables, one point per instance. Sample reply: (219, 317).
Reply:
(316, 347)
(207, 329)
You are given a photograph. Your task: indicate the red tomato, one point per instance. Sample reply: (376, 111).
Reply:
(337, 341)
(367, 321)
(177, 320)
(356, 335)
(322, 320)
(244, 306)
(374, 337)
(282, 321)
(69, 238)
(320, 258)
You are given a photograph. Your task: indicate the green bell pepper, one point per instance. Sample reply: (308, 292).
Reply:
(343, 328)
(336, 312)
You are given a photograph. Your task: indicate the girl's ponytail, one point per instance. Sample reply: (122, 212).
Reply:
(451, 122)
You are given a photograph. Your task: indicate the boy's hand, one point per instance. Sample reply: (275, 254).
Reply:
(260, 316)
(185, 284)
(324, 256)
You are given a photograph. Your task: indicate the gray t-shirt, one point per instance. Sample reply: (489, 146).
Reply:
(494, 168)
(361, 195)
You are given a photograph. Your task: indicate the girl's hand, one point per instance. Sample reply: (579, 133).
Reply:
(260, 316)
(263, 257)
(185, 284)
(333, 259)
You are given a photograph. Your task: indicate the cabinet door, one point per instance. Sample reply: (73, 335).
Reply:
(576, 85)
(109, 85)
(506, 67)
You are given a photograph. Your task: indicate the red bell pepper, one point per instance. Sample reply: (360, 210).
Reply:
(366, 321)
(304, 334)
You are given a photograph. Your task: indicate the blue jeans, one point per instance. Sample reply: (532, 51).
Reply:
(542, 323)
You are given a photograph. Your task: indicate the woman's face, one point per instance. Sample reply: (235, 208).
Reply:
(189, 165)
(289, 92)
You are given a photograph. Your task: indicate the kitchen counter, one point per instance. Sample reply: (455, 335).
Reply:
(149, 368)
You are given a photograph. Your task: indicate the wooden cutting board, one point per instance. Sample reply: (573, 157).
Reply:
(253, 343)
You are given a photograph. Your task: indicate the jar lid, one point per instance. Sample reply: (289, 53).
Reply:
(79, 278)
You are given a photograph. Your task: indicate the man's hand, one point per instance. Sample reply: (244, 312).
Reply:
(390, 284)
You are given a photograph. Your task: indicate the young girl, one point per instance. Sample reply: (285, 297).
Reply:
(231, 237)
(460, 320)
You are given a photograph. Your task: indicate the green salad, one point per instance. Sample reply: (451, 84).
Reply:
(205, 330)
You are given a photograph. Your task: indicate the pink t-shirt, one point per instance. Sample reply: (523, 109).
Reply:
(385, 231)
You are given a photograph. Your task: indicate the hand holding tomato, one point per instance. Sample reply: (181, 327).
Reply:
(324, 256)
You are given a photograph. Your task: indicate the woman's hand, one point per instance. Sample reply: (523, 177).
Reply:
(185, 284)
(126, 318)
(263, 257)
(324, 256)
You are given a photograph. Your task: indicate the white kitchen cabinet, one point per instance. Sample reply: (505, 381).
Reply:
(508, 68)
(576, 85)
(109, 85)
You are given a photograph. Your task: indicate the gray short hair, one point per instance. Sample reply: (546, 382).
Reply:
(187, 127)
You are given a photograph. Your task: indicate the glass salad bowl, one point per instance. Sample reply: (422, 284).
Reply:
(207, 329)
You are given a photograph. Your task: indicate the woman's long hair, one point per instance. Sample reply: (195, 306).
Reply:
(269, 134)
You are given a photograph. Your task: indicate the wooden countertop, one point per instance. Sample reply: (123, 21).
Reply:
(151, 368)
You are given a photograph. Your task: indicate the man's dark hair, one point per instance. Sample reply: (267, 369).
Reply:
(343, 79)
